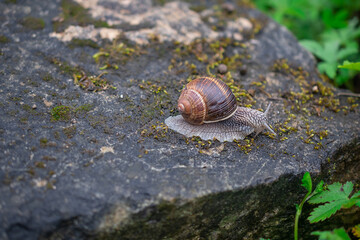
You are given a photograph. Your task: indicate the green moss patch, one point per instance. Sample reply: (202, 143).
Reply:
(74, 13)
(93, 83)
(4, 39)
(115, 54)
(32, 23)
(65, 113)
(76, 42)
(61, 113)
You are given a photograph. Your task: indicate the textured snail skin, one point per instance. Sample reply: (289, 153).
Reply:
(244, 122)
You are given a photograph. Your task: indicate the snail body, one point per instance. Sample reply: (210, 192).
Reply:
(208, 109)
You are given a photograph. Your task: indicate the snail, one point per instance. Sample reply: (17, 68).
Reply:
(208, 109)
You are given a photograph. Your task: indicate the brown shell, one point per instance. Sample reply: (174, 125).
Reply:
(206, 100)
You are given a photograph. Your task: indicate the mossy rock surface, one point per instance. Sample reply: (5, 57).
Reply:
(85, 153)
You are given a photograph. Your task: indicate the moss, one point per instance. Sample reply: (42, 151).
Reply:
(73, 12)
(83, 109)
(83, 43)
(57, 135)
(4, 39)
(115, 54)
(32, 23)
(69, 131)
(43, 142)
(67, 68)
(97, 120)
(15, 99)
(47, 77)
(24, 120)
(156, 131)
(40, 164)
(93, 83)
(61, 113)
(198, 8)
(31, 171)
(13, 113)
(48, 158)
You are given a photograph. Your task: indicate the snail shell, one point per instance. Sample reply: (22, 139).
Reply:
(208, 109)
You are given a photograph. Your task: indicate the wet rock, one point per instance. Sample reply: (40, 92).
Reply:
(89, 164)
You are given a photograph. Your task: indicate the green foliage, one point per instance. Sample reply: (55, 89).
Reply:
(336, 196)
(350, 65)
(307, 184)
(327, 28)
(336, 234)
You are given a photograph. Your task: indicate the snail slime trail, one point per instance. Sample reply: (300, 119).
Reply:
(208, 109)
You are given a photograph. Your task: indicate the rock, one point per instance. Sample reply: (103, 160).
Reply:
(102, 163)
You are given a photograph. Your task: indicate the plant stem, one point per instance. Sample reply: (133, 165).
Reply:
(298, 213)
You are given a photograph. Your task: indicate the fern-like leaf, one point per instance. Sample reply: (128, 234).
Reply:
(333, 193)
(347, 188)
(325, 211)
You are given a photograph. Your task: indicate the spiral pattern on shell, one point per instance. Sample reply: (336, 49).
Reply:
(206, 100)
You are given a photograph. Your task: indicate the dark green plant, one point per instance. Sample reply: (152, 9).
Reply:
(307, 184)
(327, 28)
(334, 197)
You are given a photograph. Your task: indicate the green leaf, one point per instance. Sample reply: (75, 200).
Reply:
(343, 76)
(335, 20)
(343, 35)
(350, 48)
(328, 67)
(306, 182)
(356, 195)
(319, 187)
(336, 234)
(325, 211)
(332, 194)
(347, 188)
(350, 65)
(351, 202)
(312, 46)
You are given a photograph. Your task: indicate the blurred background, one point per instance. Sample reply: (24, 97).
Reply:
(329, 29)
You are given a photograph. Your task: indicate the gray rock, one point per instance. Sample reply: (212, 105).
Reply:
(86, 164)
